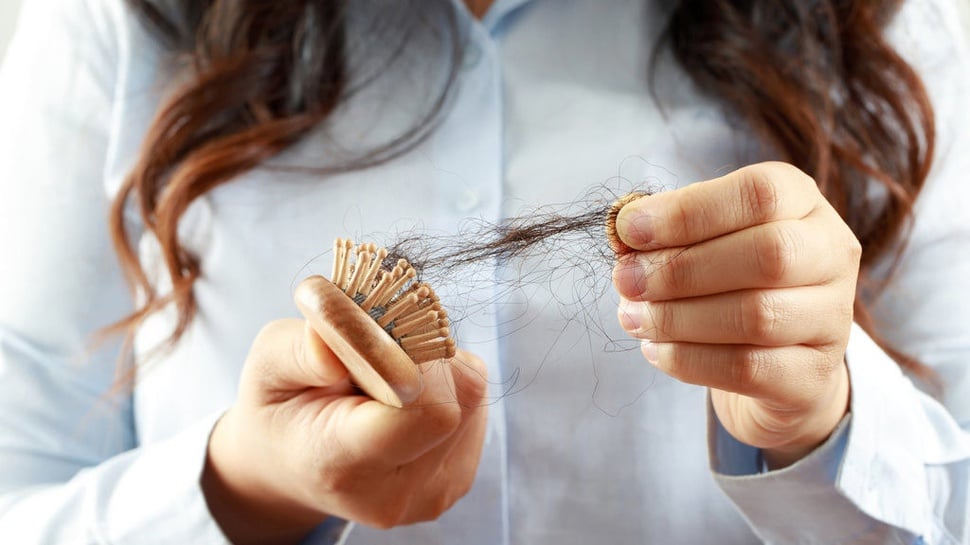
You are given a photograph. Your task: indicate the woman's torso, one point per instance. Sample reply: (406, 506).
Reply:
(585, 438)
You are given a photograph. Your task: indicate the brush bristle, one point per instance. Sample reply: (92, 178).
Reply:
(406, 309)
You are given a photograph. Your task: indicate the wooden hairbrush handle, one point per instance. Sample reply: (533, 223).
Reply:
(375, 361)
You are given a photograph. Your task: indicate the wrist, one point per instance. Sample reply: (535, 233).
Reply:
(817, 429)
(242, 500)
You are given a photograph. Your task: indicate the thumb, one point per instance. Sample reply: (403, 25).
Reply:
(289, 355)
(322, 361)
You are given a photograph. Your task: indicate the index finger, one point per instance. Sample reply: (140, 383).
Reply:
(750, 196)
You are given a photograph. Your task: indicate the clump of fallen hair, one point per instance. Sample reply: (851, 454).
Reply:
(581, 231)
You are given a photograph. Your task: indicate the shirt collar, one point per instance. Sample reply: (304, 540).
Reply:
(499, 9)
(496, 12)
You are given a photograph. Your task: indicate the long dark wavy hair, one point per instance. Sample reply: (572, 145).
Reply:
(815, 80)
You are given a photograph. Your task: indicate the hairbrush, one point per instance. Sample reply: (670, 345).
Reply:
(378, 319)
(612, 236)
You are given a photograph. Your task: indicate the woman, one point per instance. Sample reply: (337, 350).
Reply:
(192, 124)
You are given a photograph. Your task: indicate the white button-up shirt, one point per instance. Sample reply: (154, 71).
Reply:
(586, 441)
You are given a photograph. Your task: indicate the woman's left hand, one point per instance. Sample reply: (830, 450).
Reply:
(745, 284)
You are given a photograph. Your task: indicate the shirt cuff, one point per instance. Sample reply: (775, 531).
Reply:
(897, 433)
(157, 497)
(796, 504)
(163, 486)
(867, 481)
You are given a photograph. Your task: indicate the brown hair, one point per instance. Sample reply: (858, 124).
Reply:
(815, 80)
(818, 82)
(262, 75)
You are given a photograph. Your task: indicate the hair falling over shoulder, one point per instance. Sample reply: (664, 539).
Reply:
(815, 80)
(260, 76)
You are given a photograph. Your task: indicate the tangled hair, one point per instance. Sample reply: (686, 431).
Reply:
(815, 80)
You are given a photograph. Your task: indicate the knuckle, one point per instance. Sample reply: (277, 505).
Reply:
(442, 419)
(471, 376)
(671, 364)
(472, 387)
(338, 482)
(446, 501)
(391, 514)
(261, 362)
(776, 249)
(753, 368)
(828, 360)
(445, 493)
(760, 316)
(822, 364)
(842, 312)
(273, 335)
(690, 217)
(846, 311)
(475, 364)
(853, 248)
(759, 193)
(664, 321)
(268, 333)
(463, 488)
(705, 221)
(676, 274)
(339, 479)
(683, 221)
(432, 509)
(687, 365)
(781, 170)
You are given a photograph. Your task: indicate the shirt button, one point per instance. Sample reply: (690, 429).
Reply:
(468, 200)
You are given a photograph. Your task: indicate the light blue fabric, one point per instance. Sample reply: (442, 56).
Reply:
(586, 441)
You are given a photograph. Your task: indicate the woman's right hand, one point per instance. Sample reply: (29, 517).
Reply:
(300, 444)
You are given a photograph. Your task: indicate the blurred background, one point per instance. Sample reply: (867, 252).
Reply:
(9, 9)
(8, 18)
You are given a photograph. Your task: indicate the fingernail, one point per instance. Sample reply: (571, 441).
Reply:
(635, 226)
(629, 315)
(628, 277)
(650, 351)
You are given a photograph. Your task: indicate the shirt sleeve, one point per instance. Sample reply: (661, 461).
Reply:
(898, 469)
(71, 470)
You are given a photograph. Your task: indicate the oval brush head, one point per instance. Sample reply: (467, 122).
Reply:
(378, 319)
